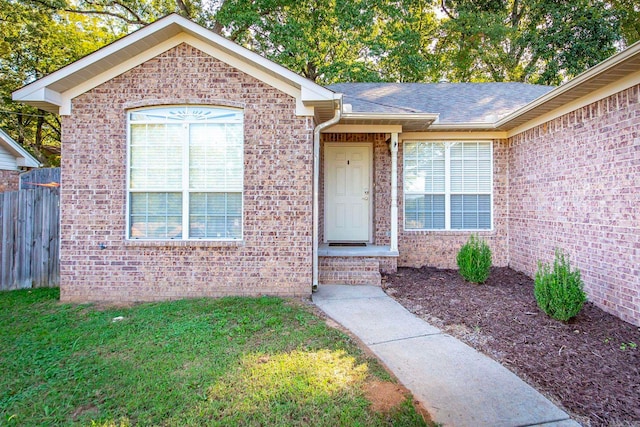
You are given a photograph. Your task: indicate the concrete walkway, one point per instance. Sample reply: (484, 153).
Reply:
(457, 385)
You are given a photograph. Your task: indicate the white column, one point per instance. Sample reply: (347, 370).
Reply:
(394, 192)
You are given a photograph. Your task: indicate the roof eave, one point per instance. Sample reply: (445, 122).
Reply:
(408, 121)
(462, 126)
(591, 75)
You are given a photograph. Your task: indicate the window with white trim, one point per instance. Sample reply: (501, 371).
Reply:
(185, 175)
(448, 185)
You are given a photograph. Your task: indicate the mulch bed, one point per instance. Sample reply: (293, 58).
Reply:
(590, 366)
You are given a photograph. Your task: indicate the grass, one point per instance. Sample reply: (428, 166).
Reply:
(230, 361)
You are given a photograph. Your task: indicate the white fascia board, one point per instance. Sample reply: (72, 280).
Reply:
(260, 73)
(246, 56)
(41, 94)
(123, 67)
(455, 136)
(469, 126)
(343, 128)
(313, 93)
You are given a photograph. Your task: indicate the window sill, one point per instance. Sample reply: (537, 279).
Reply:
(184, 243)
(483, 232)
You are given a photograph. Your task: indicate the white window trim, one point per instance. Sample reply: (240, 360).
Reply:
(447, 193)
(185, 182)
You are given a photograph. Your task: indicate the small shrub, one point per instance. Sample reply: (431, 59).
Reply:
(474, 260)
(559, 291)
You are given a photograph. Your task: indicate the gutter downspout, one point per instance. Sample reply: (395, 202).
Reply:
(316, 187)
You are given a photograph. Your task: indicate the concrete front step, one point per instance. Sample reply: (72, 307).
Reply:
(349, 271)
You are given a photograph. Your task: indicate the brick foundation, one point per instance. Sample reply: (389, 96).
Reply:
(349, 271)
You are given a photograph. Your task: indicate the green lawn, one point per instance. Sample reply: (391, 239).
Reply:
(231, 361)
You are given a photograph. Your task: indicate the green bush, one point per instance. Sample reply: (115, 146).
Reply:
(474, 260)
(559, 291)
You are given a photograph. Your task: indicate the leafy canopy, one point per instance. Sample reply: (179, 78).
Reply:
(327, 41)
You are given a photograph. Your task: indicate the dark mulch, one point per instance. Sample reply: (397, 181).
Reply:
(590, 366)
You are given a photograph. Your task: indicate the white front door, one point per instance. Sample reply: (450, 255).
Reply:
(347, 192)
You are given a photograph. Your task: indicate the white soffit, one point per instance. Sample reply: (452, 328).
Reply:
(55, 91)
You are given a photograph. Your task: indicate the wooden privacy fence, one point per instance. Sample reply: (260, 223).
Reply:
(30, 230)
(43, 177)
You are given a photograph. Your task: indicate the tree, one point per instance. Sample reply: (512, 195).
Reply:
(537, 41)
(629, 13)
(34, 44)
(336, 40)
(403, 46)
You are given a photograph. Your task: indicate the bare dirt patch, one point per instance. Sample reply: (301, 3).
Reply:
(384, 395)
(590, 366)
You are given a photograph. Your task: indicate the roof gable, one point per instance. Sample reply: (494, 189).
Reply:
(23, 158)
(54, 92)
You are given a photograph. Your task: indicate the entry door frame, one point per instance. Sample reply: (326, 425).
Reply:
(368, 145)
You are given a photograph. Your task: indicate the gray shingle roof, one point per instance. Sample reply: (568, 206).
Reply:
(456, 102)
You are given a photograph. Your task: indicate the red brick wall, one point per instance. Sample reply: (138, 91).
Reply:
(9, 180)
(439, 248)
(275, 255)
(574, 183)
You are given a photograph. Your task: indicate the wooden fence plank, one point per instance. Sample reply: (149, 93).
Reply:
(30, 230)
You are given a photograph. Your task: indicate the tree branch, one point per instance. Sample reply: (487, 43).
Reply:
(183, 6)
(528, 69)
(55, 127)
(445, 10)
(136, 21)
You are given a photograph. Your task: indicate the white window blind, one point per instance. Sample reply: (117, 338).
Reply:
(185, 173)
(448, 185)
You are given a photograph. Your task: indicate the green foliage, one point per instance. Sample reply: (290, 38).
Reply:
(230, 361)
(35, 43)
(474, 260)
(628, 12)
(558, 291)
(536, 41)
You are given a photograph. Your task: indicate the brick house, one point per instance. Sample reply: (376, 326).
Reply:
(194, 167)
(13, 160)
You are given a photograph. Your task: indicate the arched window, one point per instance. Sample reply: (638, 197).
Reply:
(185, 173)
